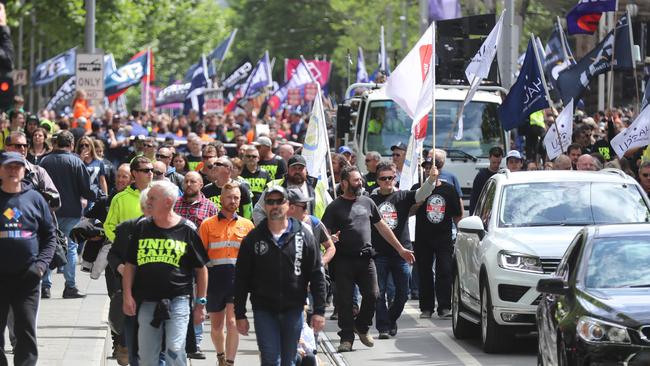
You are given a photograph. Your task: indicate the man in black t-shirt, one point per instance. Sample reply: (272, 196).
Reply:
(164, 256)
(256, 177)
(350, 217)
(495, 157)
(394, 207)
(274, 164)
(221, 169)
(433, 239)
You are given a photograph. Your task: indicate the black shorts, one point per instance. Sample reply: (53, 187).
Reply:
(221, 287)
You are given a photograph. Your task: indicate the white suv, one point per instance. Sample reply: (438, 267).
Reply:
(522, 225)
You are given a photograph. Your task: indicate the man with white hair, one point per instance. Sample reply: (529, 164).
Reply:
(164, 257)
(587, 162)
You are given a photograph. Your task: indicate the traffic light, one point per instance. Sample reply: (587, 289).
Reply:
(6, 92)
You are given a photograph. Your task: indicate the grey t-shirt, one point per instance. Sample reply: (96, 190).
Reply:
(353, 219)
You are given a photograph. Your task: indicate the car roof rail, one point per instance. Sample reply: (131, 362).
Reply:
(619, 172)
(505, 171)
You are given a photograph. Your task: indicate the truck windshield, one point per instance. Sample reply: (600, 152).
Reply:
(388, 125)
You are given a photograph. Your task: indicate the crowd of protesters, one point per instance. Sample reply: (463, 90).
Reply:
(195, 214)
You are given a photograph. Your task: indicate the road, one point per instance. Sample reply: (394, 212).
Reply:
(429, 342)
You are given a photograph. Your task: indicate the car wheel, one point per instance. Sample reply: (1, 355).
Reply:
(494, 338)
(462, 327)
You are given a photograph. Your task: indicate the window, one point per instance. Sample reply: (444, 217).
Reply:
(619, 262)
(484, 211)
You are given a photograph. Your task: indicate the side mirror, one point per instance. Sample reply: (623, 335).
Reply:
(472, 225)
(553, 285)
(343, 116)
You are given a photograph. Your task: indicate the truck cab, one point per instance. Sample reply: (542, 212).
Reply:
(370, 121)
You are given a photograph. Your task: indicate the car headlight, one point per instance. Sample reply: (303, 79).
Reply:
(596, 330)
(520, 262)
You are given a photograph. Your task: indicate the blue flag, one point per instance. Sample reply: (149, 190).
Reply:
(60, 65)
(217, 54)
(200, 81)
(260, 77)
(558, 55)
(584, 17)
(573, 81)
(128, 75)
(527, 94)
(362, 73)
(646, 92)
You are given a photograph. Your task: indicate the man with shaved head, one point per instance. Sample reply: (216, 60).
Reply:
(193, 205)
(562, 162)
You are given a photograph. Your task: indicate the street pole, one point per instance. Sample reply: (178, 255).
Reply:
(601, 77)
(32, 50)
(89, 34)
(403, 25)
(20, 47)
(509, 47)
(424, 15)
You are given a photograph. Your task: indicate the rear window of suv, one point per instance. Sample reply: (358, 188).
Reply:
(571, 203)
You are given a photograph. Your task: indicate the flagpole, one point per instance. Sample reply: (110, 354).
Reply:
(636, 77)
(610, 77)
(548, 95)
(432, 69)
(147, 86)
(348, 65)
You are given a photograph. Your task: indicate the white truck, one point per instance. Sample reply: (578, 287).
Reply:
(373, 122)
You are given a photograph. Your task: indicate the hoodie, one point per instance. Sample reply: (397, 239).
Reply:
(124, 206)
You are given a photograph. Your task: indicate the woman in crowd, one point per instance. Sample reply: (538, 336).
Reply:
(38, 146)
(179, 161)
(86, 151)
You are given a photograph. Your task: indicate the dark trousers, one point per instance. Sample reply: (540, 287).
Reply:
(399, 270)
(22, 295)
(425, 253)
(351, 271)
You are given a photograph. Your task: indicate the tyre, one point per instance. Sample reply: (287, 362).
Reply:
(461, 327)
(494, 338)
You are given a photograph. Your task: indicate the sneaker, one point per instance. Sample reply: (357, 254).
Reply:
(72, 293)
(365, 338)
(45, 293)
(444, 313)
(345, 346)
(393, 330)
(121, 355)
(198, 355)
(383, 335)
(425, 314)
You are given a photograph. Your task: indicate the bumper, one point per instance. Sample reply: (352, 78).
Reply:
(520, 312)
(611, 355)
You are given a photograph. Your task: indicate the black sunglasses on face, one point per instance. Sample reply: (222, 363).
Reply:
(274, 202)
(24, 146)
(158, 172)
(159, 156)
(145, 170)
(387, 178)
(251, 156)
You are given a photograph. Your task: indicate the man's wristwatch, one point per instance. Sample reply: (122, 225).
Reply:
(201, 301)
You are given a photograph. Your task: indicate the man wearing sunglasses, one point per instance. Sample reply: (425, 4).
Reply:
(278, 306)
(220, 173)
(256, 177)
(644, 176)
(399, 156)
(165, 155)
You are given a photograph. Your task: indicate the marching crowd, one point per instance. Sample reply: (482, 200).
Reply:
(229, 217)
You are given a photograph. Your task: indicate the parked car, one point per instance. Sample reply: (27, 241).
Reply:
(595, 309)
(521, 227)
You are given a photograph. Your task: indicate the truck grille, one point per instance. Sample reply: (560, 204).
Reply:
(550, 264)
(512, 292)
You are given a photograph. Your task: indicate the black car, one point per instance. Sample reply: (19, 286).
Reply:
(595, 310)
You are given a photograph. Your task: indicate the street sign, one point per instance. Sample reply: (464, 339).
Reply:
(213, 101)
(90, 75)
(20, 77)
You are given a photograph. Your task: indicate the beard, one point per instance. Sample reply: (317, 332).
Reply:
(296, 179)
(356, 190)
(276, 214)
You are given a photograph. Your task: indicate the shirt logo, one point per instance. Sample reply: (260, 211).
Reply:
(436, 206)
(12, 213)
(261, 247)
(388, 213)
(167, 251)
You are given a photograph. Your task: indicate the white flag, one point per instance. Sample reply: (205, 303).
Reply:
(563, 127)
(411, 86)
(637, 135)
(479, 68)
(314, 149)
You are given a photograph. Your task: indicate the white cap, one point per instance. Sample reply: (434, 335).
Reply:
(514, 154)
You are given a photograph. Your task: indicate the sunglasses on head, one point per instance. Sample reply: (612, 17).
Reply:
(274, 202)
(387, 178)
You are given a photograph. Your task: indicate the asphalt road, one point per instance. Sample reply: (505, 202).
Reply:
(429, 342)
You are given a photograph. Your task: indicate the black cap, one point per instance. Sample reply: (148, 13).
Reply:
(296, 196)
(297, 160)
(400, 146)
(427, 161)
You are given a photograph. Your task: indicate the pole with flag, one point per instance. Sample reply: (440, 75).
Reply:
(637, 135)
(536, 42)
(558, 137)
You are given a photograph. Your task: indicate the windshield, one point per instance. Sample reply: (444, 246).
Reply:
(619, 262)
(388, 124)
(571, 203)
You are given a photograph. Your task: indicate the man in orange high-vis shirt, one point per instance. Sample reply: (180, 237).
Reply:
(221, 236)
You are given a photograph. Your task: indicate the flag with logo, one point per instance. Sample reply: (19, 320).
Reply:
(301, 76)
(573, 81)
(637, 135)
(260, 77)
(128, 75)
(200, 81)
(527, 94)
(479, 68)
(558, 55)
(558, 136)
(216, 55)
(171, 94)
(362, 73)
(314, 148)
(584, 17)
(60, 65)
(411, 86)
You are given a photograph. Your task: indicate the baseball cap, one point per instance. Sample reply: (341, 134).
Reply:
(297, 160)
(264, 141)
(12, 157)
(278, 189)
(400, 146)
(296, 196)
(514, 154)
(344, 150)
(427, 161)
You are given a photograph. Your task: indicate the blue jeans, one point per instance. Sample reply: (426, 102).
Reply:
(278, 335)
(174, 330)
(66, 224)
(399, 269)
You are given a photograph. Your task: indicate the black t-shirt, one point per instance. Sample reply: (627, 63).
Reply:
(276, 167)
(604, 148)
(370, 180)
(479, 181)
(433, 218)
(394, 209)
(213, 193)
(257, 181)
(193, 161)
(165, 259)
(353, 220)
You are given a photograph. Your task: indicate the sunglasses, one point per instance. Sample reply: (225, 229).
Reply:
(386, 179)
(145, 170)
(251, 156)
(159, 156)
(304, 207)
(212, 166)
(274, 202)
(158, 172)
(24, 146)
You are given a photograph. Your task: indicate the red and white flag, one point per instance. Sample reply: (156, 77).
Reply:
(411, 85)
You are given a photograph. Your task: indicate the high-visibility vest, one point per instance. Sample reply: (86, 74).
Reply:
(222, 237)
(537, 119)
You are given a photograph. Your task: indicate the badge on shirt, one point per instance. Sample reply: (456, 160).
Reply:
(261, 247)
(435, 209)
(388, 213)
